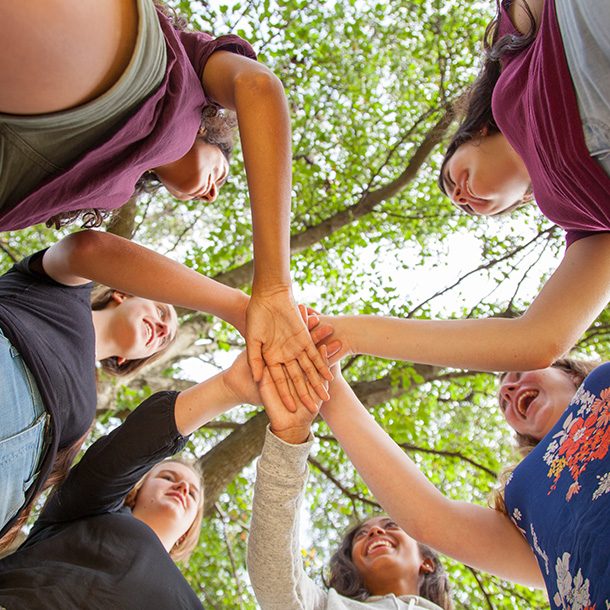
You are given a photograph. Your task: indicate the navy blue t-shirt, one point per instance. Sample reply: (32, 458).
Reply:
(52, 327)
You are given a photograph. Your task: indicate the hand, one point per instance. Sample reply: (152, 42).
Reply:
(335, 339)
(239, 382)
(276, 336)
(291, 427)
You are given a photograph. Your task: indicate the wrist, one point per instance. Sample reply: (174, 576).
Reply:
(292, 436)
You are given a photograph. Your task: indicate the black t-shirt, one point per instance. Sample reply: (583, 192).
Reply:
(52, 327)
(87, 550)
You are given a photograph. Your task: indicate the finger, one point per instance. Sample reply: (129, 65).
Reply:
(312, 312)
(312, 322)
(255, 359)
(333, 348)
(315, 401)
(320, 333)
(281, 384)
(321, 366)
(304, 312)
(271, 399)
(310, 370)
(299, 383)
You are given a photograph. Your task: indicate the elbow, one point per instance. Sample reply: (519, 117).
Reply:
(258, 84)
(542, 347)
(84, 244)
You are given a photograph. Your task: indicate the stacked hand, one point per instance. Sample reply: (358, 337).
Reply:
(278, 338)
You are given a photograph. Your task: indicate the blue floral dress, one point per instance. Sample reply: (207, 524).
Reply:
(559, 498)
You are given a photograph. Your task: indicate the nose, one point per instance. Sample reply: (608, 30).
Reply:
(183, 487)
(458, 195)
(509, 384)
(161, 328)
(375, 530)
(212, 194)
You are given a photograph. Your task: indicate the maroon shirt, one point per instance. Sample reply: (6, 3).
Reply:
(161, 130)
(535, 107)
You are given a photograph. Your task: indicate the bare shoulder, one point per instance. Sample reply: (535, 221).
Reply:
(518, 13)
(56, 54)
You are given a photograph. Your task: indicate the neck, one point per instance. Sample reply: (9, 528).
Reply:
(104, 344)
(164, 528)
(401, 585)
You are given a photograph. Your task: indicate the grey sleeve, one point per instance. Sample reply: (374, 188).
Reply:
(274, 554)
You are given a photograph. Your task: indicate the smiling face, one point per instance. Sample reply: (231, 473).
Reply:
(532, 402)
(485, 176)
(140, 327)
(170, 493)
(197, 175)
(388, 559)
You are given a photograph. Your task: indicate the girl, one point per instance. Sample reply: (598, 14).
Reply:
(550, 528)
(88, 111)
(377, 565)
(50, 339)
(100, 542)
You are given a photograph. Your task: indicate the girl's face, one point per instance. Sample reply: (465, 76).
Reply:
(382, 551)
(532, 402)
(486, 176)
(140, 327)
(197, 175)
(171, 492)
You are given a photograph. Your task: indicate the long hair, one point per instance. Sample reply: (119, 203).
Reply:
(525, 443)
(347, 580)
(477, 111)
(61, 466)
(181, 551)
(100, 297)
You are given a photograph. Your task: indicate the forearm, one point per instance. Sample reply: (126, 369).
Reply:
(264, 126)
(567, 305)
(203, 402)
(475, 535)
(274, 560)
(129, 267)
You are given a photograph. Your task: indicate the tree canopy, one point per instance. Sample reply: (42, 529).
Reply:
(373, 88)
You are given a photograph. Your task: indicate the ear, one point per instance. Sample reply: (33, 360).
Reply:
(427, 566)
(118, 297)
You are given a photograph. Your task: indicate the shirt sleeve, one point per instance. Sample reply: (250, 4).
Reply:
(199, 47)
(116, 462)
(274, 555)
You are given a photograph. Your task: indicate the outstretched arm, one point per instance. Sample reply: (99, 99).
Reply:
(567, 305)
(275, 335)
(479, 537)
(129, 267)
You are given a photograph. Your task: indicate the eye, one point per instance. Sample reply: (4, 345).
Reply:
(193, 494)
(360, 533)
(161, 312)
(391, 525)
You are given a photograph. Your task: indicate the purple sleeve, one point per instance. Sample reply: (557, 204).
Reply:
(573, 235)
(200, 46)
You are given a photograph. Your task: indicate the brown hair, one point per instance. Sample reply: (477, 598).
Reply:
(478, 116)
(577, 371)
(100, 297)
(347, 580)
(181, 551)
(61, 466)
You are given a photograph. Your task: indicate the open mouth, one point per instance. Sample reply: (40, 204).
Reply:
(524, 401)
(150, 333)
(379, 543)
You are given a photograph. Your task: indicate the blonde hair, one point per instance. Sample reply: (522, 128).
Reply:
(577, 370)
(186, 544)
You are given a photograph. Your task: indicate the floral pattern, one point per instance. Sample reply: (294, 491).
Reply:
(583, 438)
(572, 591)
(559, 499)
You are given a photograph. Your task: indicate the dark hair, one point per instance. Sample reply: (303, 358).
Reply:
(477, 113)
(577, 370)
(347, 580)
(218, 127)
(63, 460)
(100, 297)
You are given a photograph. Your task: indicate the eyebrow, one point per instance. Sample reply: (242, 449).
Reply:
(174, 474)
